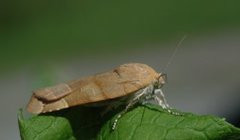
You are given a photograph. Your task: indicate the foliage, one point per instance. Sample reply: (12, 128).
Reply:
(147, 122)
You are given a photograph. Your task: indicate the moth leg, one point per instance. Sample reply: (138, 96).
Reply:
(139, 95)
(160, 98)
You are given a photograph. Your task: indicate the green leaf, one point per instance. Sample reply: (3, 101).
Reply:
(147, 122)
(153, 123)
(70, 124)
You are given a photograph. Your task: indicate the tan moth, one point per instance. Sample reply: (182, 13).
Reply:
(133, 82)
(139, 82)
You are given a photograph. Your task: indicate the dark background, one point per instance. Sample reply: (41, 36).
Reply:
(47, 42)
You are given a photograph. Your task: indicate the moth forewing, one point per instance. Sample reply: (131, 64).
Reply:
(122, 81)
(53, 93)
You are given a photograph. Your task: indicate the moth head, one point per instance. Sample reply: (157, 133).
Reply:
(162, 79)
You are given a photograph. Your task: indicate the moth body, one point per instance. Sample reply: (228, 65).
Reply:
(125, 80)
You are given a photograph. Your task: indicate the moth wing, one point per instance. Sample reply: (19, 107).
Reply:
(114, 85)
(37, 106)
(49, 99)
(53, 93)
(109, 85)
(97, 88)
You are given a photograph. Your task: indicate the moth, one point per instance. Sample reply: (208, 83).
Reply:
(139, 81)
(133, 82)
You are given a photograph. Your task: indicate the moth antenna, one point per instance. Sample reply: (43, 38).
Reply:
(175, 52)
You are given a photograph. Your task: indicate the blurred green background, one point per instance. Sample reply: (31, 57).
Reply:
(46, 42)
(41, 30)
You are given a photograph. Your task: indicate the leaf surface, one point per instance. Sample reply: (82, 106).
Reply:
(147, 122)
